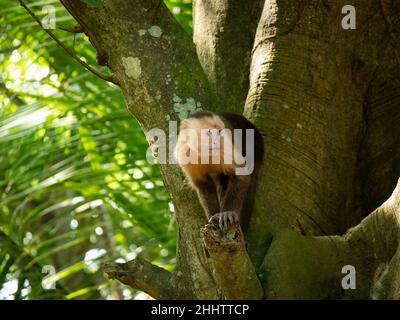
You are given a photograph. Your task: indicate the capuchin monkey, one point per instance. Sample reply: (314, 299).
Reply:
(221, 155)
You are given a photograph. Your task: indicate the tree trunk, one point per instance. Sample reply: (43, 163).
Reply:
(326, 101)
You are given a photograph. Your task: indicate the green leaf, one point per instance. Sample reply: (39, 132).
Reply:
(61, 156)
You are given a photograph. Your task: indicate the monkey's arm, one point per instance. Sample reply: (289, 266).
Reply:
(207, 193)
(238, 197)
(236, 193)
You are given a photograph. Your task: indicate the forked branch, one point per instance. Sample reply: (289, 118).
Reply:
(372, 248)
(142, 275)
(71, 53)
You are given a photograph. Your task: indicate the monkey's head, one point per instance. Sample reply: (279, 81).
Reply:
(201, 136)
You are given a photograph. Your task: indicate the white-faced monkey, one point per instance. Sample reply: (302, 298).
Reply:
(221, 155)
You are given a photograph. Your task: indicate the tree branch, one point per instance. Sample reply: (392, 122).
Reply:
(66, 49)
(142, 275)
(372, 247)
(233, 269)
(157, 68)
(75, 29)
(224, 34)
(296, 183)
(136, 37)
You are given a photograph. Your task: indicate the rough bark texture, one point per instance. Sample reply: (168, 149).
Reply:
(233, 270)
(224, 32)
(326, 100)
(142, 275)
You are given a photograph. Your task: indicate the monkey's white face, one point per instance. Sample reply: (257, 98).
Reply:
(204, 137)
(210, 140)
(206, 140)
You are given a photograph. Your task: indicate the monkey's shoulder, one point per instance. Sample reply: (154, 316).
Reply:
(237, 121)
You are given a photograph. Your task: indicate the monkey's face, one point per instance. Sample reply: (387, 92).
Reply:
(210, 139)
(205, 137)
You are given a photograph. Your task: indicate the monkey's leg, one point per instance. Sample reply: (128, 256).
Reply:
(207, 193)
(233, 202)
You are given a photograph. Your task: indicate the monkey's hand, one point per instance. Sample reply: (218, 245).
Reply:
(223, 220)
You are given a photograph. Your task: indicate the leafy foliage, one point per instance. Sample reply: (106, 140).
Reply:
(182, 10)
(75, 186)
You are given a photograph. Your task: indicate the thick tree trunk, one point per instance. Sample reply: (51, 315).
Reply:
(326, 100)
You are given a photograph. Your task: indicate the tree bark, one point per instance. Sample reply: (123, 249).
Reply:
(224, 32)
(326, 101)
